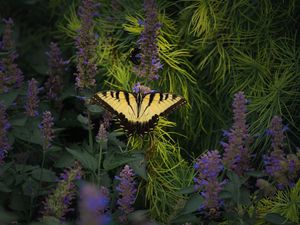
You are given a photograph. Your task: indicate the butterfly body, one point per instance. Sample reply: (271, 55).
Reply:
(138, 113)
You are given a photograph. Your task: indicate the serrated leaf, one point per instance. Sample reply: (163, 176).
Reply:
(84, 121)
(139, 166)
(30, 132)
(8, 98)
(182, 219)
(87, 160)
(225, 195)
(17, 202)
(65, 160)
(7, 217)
(47, 175)
(115, 160)
(277, 219)
(255, 173)
(187, 190)
(4, 188)
(95, 108)
(193, 204)
(18, 120)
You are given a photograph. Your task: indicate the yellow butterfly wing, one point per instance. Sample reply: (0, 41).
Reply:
(138, 113)
(159, 104)
(117, 102)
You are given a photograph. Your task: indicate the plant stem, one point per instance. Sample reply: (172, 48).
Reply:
(32, 202)
(90, 132)
(99, 163)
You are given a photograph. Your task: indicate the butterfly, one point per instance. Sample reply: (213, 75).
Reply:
(138, 113)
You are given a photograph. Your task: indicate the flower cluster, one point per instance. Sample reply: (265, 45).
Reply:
(150, 63)
(10, 74)
(127, 192)
(236, 156)
(93, 205)
(283, 168)
(4, 126)
(54, 84)
(86, 44)
(46, 127)
(139, 88)
(58, 203)
(102, 132)
(208, 168)
(32, 98)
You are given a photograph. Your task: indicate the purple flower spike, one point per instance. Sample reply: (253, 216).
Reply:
(93, 205)
(58, 203)
(150, 63)
(284, 169)
(56, 70)
(236, 155)
(47, 128)
(32, 98)
(208, 168)
(102, 133)
(139, 88)
(86, 44)
(4, 126)
(10, 74)
(127, 192)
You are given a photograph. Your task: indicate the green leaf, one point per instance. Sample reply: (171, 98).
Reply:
(30, 132)
(4, 188)
(245, 197)
(17, 202)
(225, 194)
(49, 221)
(277, 219)
(87, 160)
(7, 217)
(18, 120)
(115, 160)
(182, 219)
(65, 160)
(47, 176)
(8, 98)
(255, 173)
(193, 204)
(139, 165)
(95, 108)
(187, 190)
(84, 121)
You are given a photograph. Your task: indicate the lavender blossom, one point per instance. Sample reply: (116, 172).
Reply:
(86, 44)
(10, 74)
(47, 128)
(58, 203)
(93, 206)
(236, 155)
(102, 134)
(56, 65)
(139, 88)
(4, 126)
(32, 98)
(127, 192)
(283, 168)
(150, 63)
(208, 168)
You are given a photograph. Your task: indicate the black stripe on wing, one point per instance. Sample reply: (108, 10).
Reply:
(173, 107)
(97, 100)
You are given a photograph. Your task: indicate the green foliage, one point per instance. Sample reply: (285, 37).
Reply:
(284, 203)
(210, 49)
